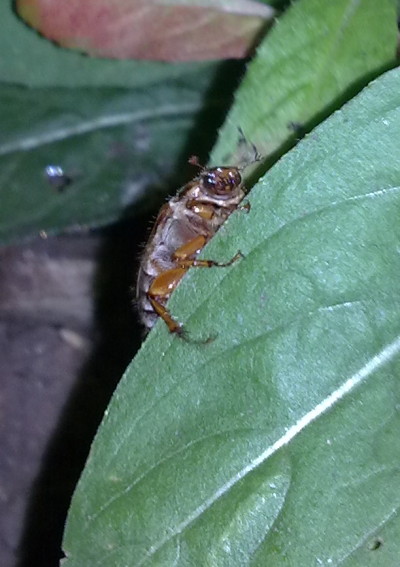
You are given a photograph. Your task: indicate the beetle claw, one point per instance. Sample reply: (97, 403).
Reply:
(183, 334)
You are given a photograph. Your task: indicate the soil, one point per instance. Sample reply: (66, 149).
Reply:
(67, 333)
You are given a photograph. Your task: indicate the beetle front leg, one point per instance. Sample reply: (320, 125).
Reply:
(183, 255)
(245, 206)
(193, 263)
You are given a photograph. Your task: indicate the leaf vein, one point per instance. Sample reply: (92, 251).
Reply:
(380, 359)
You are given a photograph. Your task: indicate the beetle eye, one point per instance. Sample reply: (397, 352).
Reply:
(221, 181)
(209, 181)
(234, 179)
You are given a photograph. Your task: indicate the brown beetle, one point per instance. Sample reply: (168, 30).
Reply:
(183, 227)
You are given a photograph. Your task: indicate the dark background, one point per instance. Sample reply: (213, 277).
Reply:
(67, 332)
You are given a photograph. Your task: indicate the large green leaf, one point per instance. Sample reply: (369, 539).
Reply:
(317, 55)
(278, 443)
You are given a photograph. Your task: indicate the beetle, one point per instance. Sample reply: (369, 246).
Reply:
(183, 227)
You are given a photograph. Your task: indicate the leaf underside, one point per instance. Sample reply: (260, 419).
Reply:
(148, 29)
(318, 55)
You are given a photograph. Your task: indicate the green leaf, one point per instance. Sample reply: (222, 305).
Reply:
(318, 55)
(117, 145)
(278, 443)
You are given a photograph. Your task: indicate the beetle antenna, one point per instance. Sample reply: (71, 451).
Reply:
(257, 157)
(194, 160)
(243, 141)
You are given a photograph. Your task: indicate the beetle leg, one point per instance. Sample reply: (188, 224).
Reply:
(245, 206)
(164, 284)
(189, 263)
(202, 209)
(159, 291)
(173, 325)
(161, 288)
(194, 246)
(189, 249)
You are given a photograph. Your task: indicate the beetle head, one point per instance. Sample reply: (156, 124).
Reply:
(221, 181)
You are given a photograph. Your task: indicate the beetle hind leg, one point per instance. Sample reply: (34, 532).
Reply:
(173, 325)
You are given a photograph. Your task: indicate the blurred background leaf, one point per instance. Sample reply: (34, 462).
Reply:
(124, 149)
(162, 30)
(118, 147)
(318, 55)
(31, 60)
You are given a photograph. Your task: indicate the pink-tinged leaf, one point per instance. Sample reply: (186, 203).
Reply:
(147, 29)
